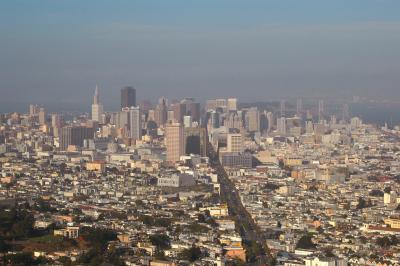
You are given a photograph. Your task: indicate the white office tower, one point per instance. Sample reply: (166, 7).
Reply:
(321, 110)
(187, 121)
(234, 143)
(281, 125)
(271, 122)
(130, 120)
(232, 104)
(97, 107)
(253, 120)
(283, 108)
(135, 123)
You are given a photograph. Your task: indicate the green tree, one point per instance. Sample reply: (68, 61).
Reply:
(305, 242)
(24, 259)
(97, 237)
(4, 247)
(162, 222)
(192, 254)
(160, 241)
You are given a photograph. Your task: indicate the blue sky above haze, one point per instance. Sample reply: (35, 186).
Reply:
(57, 50)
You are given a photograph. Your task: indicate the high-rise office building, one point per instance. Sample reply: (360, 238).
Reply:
(234, 142)
(42, 116)
(130, 122)
(179, 110)
(135, 123)
(175, 141)
(34, 109)
(187, 121)
(161, 112)
(128, 97)
(253, 120)
(55, 120)
(56, 124)
(283, 108)
(232, 104)
(345, 112)
(271, 121)
(220, 103)
(281, 125)
(263, 122)
(233, 120)
(321, 110)
(299, 107)
(214, 116)
(97, 107)
(192, 108)
(196, 141)
(75, 135)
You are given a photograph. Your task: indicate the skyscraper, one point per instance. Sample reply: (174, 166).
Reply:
(187, 121)
(253, 120)
(130, 121)
(74, 135)
(160, 113)
(232, 104)
(135, 123)
(56, 124)
(299, 107)
(321, 110)
(214, 119)
(234, 142)
(33, 110)
(179, 111)
(271, 122)
(97, 107)
(42, 116)
(175, 141)
(283, 108)
(196, 141)
(192, 108)
(281, 125)
(345, 112)
(128, 97)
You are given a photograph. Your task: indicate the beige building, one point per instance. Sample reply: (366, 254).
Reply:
(232, 104)
(234, 143)
(175, 141)
(69, 232)
(253, 120)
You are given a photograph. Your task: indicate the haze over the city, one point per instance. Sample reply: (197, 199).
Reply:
(57, 51)
(200, 132)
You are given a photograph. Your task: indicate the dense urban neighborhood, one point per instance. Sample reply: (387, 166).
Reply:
(179, 183)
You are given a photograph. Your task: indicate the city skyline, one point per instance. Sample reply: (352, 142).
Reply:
(204, 133)
(56, 51)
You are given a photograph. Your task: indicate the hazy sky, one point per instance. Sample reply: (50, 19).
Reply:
(58, 50)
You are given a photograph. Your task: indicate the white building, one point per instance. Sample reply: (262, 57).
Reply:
(97, 107)
(187, 121)
(325, 261)
(390, 198)
(176, 180)
(130, 119)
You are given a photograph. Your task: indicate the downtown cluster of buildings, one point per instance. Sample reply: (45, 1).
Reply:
(322, 190)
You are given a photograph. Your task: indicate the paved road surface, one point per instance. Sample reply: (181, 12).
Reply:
(247, 227)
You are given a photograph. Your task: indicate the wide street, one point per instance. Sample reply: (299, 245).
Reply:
(247, 227)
